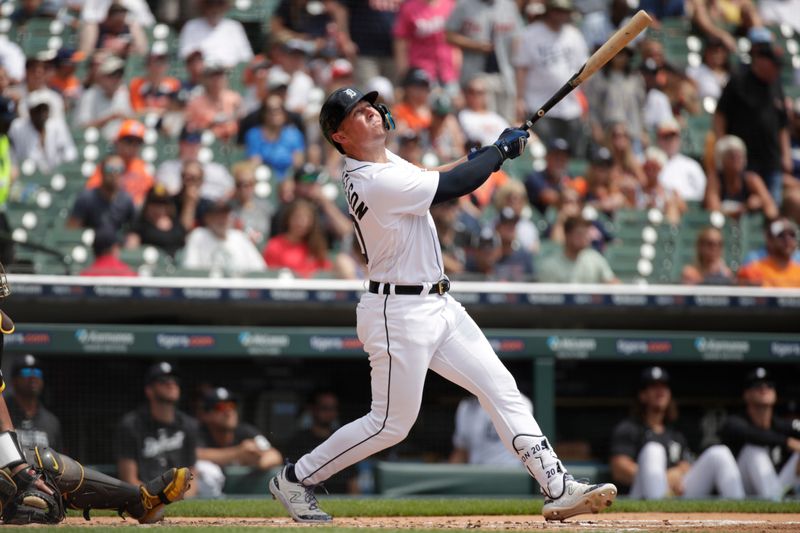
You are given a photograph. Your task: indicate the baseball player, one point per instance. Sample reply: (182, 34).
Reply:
(407, 321)
(653, 458)
(37, 483)
(767, 447)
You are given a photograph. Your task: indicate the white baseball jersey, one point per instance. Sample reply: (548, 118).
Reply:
(407, 335)
(389, 205)
(475, 433)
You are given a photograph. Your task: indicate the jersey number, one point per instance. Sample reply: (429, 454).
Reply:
(360, 239)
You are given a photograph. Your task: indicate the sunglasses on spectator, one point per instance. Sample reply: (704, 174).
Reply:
(668, 135)
(787, 234)
(711, 242)
(113, 169)
(31, 373)
(242, 184)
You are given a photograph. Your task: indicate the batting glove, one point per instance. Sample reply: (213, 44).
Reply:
(511, 142)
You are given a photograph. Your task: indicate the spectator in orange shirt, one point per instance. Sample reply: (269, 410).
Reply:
(136, 180)
(414, 112)
(63, 79)
(777, 268)
(153, 92)
(217, 108)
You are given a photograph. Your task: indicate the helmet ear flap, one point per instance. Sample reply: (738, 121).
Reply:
(386, 116)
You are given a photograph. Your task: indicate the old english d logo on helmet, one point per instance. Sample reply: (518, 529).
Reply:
(338, 104)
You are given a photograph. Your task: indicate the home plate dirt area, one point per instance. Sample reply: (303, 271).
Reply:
(673, 522)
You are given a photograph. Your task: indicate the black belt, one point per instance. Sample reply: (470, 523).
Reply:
(440, 287)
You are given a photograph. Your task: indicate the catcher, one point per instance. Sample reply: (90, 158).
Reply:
(38, 484)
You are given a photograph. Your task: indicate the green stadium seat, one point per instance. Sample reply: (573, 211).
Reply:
(404, 479)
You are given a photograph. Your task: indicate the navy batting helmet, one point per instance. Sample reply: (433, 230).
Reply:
(338, 104)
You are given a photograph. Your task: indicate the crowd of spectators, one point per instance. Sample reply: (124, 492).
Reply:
(455, 73)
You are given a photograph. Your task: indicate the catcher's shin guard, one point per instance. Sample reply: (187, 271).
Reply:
(84, 488)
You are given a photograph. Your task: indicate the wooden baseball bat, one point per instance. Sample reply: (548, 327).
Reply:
(603, 55)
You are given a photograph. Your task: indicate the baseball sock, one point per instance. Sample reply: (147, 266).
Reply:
(290, 475)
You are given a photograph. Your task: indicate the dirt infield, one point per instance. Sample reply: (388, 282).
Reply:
(667, 522)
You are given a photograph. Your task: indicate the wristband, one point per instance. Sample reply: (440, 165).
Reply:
(10, 451)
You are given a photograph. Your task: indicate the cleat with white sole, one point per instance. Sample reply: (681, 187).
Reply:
(298, 499)
(579, 498)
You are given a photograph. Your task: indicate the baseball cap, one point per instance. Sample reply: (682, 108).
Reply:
(407, 137)
(653, 374)
(8, 109)
(781, 225)
(308, 173)
(507, 214)
(117, 7)
(277, 78)
(28, 367)
(668, 125)
(38, 98)
(216, 396)
(213, 67)
(649, 66)
(341, 68)
(757, 377)
(111, 64)
(336, 107)
(760, 35)
(160, 371)
(558, 145)
(67, 55)
(131, 128)
(159, 49)
(602, 157)
(221, 206)
(104, 239)
(564, 5)
(190, 135)
(418, 77)
(158, 194)
(487, 238)
(767, 50)
(297, 46)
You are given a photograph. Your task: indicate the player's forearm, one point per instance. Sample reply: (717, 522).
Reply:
(468, 176)
(5, 417)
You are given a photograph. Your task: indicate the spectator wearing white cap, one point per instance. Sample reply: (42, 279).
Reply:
(220, 39)
(107, 102)
(43, 139)
(681, 173)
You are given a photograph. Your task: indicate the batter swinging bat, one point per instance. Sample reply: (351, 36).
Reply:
(603, 55)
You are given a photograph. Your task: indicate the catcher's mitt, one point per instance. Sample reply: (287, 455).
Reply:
(23, 502)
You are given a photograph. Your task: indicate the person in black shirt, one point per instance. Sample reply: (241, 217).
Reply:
(35, 425)
(653, 458)
(158, 223)
(157, 435)
(752, 107)
(767, 447)
(61, 476)
(226, 441)
(324, 411)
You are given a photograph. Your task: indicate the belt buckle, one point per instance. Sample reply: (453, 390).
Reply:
(442, 286)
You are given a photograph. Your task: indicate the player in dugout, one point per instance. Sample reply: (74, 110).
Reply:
(37, 483)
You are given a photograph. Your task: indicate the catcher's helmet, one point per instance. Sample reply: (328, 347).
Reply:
(338, 104)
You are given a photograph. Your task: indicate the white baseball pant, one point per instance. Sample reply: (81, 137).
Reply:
(715, 468)
(405, 336)
(759, 475)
